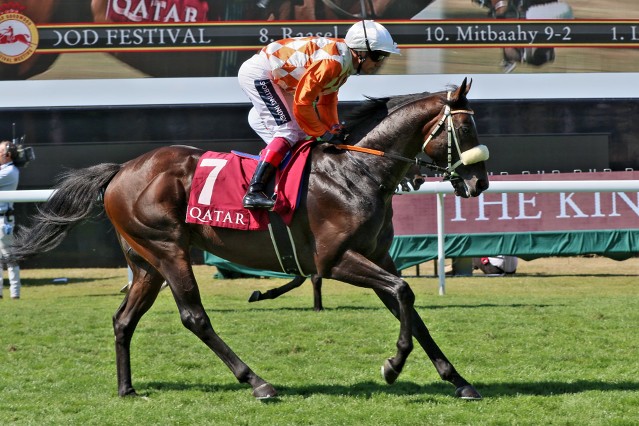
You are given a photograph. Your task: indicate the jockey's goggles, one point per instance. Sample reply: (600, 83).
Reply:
(374, 55)
(378, 55)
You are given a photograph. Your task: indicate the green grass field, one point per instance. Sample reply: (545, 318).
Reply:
(555, 344)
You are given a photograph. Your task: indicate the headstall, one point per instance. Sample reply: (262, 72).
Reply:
(471, 156)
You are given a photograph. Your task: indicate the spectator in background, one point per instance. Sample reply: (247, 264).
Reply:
(9, 177)
(498, 265)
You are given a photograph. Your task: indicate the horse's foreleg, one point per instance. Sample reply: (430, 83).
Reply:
(443, 366)
(278, 291)
(357, 270)
(182, 282)
(141, 296)
(445, 369)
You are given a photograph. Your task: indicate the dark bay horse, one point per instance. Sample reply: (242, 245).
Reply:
(342, 229)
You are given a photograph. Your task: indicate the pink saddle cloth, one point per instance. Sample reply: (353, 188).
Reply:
(221, 180)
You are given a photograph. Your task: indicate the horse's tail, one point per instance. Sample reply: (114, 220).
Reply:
(73, 202)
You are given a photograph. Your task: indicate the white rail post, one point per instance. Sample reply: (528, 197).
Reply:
(441, 255)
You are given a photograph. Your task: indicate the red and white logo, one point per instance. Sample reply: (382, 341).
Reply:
(18, 34)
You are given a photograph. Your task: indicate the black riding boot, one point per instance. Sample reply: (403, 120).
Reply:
(255, 197)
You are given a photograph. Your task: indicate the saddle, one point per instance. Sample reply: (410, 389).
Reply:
(221, 180)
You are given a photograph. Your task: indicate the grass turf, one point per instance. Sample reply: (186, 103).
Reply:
(554, 344)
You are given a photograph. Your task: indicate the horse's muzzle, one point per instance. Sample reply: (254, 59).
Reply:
(467, 188)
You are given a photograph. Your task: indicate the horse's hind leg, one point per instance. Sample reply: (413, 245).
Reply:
(291, 285)
(147, 282)
(179, 274)
(317, 292)
(276, 292)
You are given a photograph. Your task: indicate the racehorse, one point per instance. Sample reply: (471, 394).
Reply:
(511, 9)
(310, 10)
(7, 37)
(527, 9)
(342, 228)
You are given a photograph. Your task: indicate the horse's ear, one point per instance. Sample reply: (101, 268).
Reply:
(470, 83)
(462, 90)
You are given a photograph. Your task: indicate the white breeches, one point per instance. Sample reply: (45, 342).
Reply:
(272, 112)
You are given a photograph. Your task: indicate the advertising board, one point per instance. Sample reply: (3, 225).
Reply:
(106, 39)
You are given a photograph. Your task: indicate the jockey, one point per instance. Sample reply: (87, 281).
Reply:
(8, 33)
(293, 85)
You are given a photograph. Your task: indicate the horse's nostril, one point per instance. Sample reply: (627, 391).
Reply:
(482, 184)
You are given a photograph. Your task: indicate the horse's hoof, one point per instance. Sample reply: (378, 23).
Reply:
(264, 391)
(255, 296)
(389, 373)
(128, 392)
(468, 393)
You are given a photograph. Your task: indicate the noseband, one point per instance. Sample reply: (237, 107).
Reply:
(471, 156)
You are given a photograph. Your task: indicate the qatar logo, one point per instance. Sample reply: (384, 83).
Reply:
(18, 34)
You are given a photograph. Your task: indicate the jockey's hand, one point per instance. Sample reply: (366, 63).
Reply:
(328, 137)
(336, 135)
(340, 131)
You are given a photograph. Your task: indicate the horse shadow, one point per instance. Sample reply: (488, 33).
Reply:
(578, 275)
(429, 391)
(38, 282)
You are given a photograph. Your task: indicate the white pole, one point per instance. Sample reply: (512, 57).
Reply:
(441, 255)
(521, 186)
(26, 196)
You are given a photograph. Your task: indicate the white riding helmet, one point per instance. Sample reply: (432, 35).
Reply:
(373, 37)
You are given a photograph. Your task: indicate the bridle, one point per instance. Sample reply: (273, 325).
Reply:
(453, 139)
(470, 156)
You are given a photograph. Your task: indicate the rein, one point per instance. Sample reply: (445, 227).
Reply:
(379, 153)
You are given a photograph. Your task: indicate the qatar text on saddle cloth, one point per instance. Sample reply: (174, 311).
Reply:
(221, 180)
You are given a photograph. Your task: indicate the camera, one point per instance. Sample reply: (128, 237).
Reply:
(24, 154)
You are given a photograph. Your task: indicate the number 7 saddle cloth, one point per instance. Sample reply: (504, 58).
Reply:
(221, 180)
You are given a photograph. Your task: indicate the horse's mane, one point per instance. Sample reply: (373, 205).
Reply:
(373, 110)
(377, 108)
